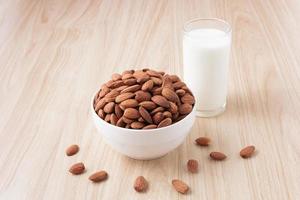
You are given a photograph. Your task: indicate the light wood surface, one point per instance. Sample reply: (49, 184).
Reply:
(54, 55)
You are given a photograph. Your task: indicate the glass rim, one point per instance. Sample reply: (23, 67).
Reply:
(187, 23)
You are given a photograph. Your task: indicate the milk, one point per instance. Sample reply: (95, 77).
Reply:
(205, 59)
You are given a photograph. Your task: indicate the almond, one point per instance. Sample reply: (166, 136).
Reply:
(108, 84)
(150, 126)
(148, 85)
(131, 113)
(157, 118)
(173, 108)
(72, 150)
(178, 85)
(156, 110)
(116, 76)
(132, 88)
(109, 108)
(170, 95)
(146, 116)
(127, 120)
(107, 118)
(141, 119)
(129, 103)
(161, 73)
(167, 114)
(121, 88)
(156, 81)
(186, 89)
(161, 101)
(130, 81)
(100, 104)
(167, 82)
(118, 111)
(113, 119)
(109, 99)
(185, 108)
(217, 156)
(127, 76)
(112, 94)
(137, 125)
(98, 176)
(131, 71)
(101, 114)
(121, 123)
(192, 166)
(175, 117)
(174, 78)
(105, 90)
(153, 73)
(180, 92)
(77, 168)
(156, 90)
(247, 152)
(139, 73)
(187, 98)
(165, 122)
(140, 184)
(143, 79)
(180, 186)
(116, 84)
(124, 96)
(202, 141)
(149, 105)
(142, 96)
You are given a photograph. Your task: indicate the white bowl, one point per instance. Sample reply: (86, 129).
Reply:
(144, 144)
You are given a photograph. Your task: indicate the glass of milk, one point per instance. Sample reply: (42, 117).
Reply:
(206, 49)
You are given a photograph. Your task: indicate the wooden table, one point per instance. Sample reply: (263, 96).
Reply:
(55, 54)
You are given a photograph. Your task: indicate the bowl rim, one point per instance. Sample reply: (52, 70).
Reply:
(137, 130)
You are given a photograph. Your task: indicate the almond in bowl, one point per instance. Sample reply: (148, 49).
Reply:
(144, 114)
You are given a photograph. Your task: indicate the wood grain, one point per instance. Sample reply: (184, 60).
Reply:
(55, 54)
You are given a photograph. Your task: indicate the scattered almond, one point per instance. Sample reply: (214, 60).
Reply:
(217, 156)
(77, 168)
(192, 166)
(180, 186)
(202, 141)
(72, 150)
(247, 152)
(98, 176)
(140, 184)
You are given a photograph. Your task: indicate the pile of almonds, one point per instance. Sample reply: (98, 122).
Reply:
(143, 99)
(140, 183)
